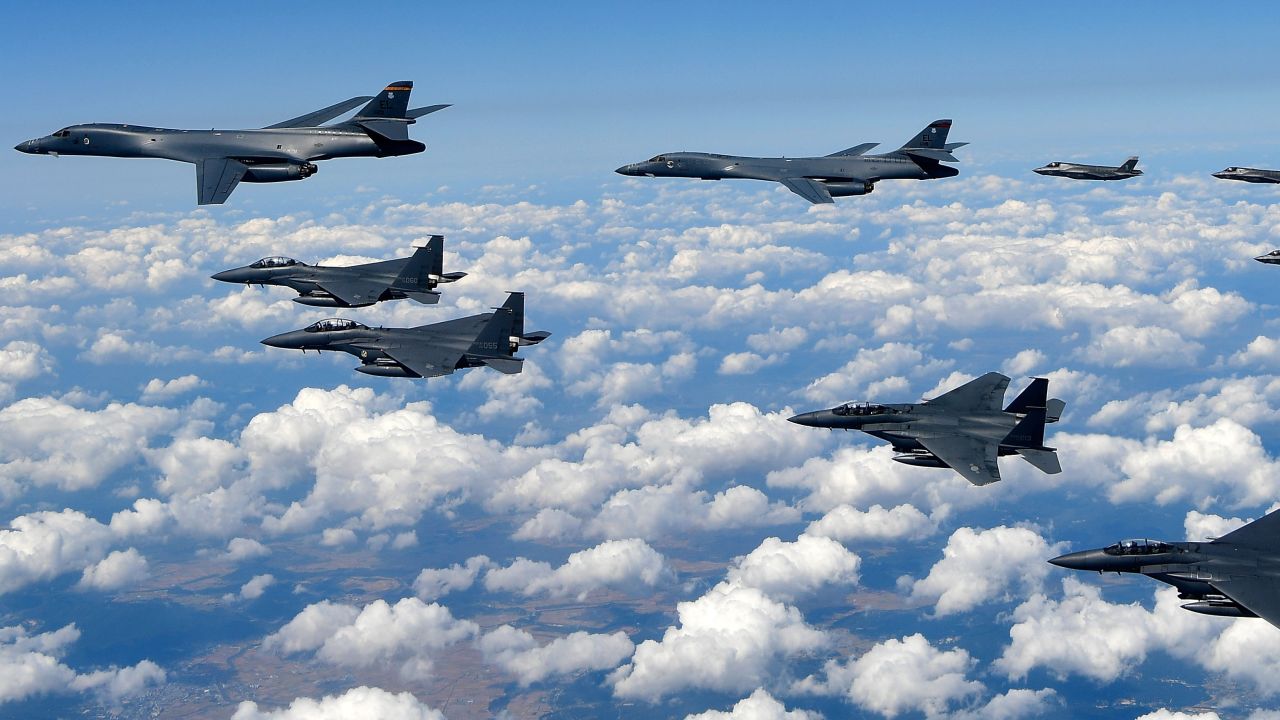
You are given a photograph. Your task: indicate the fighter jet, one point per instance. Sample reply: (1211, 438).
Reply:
(427, 350)
(1092, 172)
(1271, 258)
(413, 277)
(818, 179)
(1236, 575)
(964, 429)
(277, 153)
(1251, 175)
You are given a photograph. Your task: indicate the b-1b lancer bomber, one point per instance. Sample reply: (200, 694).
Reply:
(1236, 575)
(818, 179)
(414, 277)
(964, 429)
(1249, 175)
(277, 153)
(1076, 171)
(425, 351)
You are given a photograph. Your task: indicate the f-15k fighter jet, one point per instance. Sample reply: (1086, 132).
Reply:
(413, 277)
(277, 153)
(425, 351)
(818, 179)
(1236, 575)
(1076, 171)
(964, 429)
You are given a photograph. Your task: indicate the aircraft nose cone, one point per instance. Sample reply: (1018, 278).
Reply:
(293, 340)
(1083, 560)
(1041, 171)
(809, 419)
(628, 169)
(228, 276)
(29, 147)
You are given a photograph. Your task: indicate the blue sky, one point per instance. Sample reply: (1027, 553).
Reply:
(631, 526)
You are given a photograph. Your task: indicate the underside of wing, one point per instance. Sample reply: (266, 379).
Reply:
(984, 393)
(426, 360)
(216, 178)
(809, 189)
(354, 291)
(323, 115)
(974, 459)
(1256, 594)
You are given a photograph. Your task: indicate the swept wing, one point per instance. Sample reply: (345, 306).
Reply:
(809, 189)
(984, 393)
(323, 115)
(974, 459)
(216, 178)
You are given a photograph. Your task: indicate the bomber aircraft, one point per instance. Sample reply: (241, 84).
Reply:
(1236, 575)
(1250, 175)
(818, 179)
(414, 277)
(425, 351)
(964, 429)
(277, 153)
(1077, 171)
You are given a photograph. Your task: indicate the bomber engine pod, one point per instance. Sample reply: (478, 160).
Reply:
(278, 172)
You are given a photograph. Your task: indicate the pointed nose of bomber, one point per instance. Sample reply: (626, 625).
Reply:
(628, 169)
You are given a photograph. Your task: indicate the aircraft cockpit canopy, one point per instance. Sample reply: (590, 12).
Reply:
(1231, 169)
(1274, 253)
(658, 158)
(334, 324)
(1054, 164)
(274, 261)
(1137, 547)
(64, 132)
(860, 408)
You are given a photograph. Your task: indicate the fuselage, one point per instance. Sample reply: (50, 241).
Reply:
(369, 344)
(1191, 567)
(1250, 175)
(901, 424)
(852, 169)
(282, 145)
(1086, 172)
(306, 280)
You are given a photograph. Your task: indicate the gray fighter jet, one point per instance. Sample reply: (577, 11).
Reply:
(413, 277)
(427, 350)
(277, 153)
(1236, 575)
(964, 429)
(1271, 258)
(1251, 175)
(818, 179)
(1092, 172)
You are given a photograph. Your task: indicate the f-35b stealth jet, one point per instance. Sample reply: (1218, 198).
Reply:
(818, 179)
(1249, 175)
(425, 351)
(1236, 575)
(414, 277)
(964, 429)
(277, 153)
(1076, 171)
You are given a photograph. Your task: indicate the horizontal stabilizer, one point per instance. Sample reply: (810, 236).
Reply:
(953, 146)
(419, 112)
(506, 366)
(426, 298)
(452, 277)
(854, 151)
(389, 129)
(534, 338)
(1044, 460)
(1053, 411)
(931, 154)
(323, 115)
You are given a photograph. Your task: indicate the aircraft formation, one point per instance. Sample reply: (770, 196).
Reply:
(966, 429)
